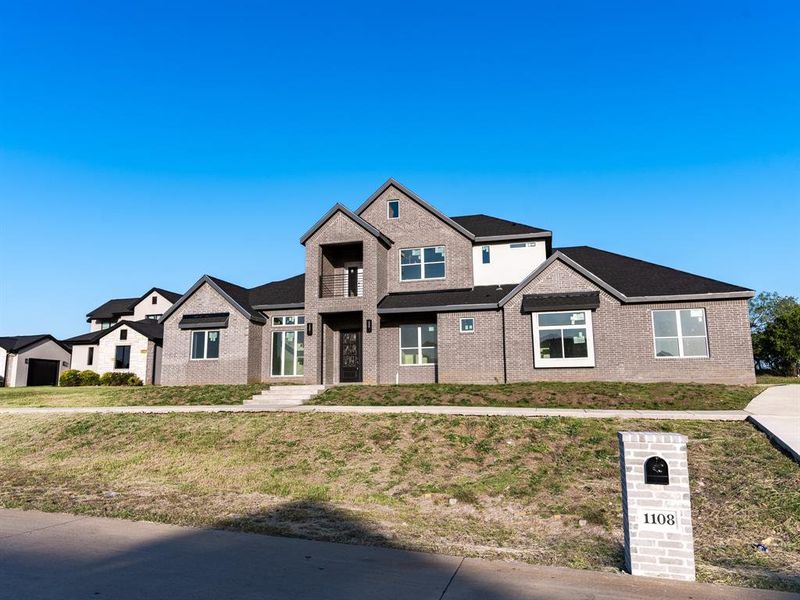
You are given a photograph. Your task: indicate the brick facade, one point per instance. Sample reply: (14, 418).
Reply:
(623, 339)
(234, 364)
(417, 227)
(501, 347)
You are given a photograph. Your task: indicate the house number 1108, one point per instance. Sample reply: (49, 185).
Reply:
(658, 519)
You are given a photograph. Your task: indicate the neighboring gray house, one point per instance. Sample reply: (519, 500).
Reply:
(397, 292)
(28, 360)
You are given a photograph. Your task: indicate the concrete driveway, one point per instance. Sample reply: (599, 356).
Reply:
(64, 557)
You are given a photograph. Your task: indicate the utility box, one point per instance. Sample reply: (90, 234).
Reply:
(656, 509)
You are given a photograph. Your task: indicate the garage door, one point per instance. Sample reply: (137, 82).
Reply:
(42, 372)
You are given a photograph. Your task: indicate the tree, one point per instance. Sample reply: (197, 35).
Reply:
(775, 327)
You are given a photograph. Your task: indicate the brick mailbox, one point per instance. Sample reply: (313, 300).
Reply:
(656, 508)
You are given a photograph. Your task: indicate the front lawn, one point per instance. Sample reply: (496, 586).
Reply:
(127, 396)
(544, 491)
(776, 379)
(594, 394)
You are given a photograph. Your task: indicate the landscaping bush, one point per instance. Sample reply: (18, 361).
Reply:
(119, 379)
(70, 378)
(89, 377)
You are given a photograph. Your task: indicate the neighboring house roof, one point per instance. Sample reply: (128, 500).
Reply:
(637, 278)
(113, 308)
(149, 328)
(118, 307)
(484, 226)
(369, 227)
(14, 344)
(85, 338)
(481, 296)
(286, 293)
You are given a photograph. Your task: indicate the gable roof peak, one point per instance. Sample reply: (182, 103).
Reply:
(339, 207)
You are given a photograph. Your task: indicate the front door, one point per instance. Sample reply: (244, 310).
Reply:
(350, 355)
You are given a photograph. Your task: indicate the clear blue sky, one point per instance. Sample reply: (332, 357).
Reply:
(147, 143)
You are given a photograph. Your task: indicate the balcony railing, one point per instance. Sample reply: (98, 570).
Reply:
(342, 285)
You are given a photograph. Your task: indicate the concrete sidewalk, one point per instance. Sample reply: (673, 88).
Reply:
(776, 411)
(486, 411)
(65, 557)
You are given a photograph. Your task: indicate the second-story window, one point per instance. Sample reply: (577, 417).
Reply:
(487, 255)
(155, 300)
(393, 209)
(123, 334)
(422, 263)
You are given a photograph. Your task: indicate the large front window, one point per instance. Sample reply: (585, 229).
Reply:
(287, 353)
(418, 344)
(680, 333)
(122, 357)
(563, 339)
(422, 263)
(205, 345)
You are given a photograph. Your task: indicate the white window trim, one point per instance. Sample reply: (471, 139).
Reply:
(205, 343)
(552, 363)
(419, 345)
(680, 332)
(461, 325)
(283, 333)
(422, 264)
(284, 317)
(389, 212)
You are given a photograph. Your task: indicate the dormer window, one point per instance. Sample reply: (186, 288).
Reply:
(393, 209)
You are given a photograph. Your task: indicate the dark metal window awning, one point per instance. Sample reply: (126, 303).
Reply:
(555, 302)
(204, 321)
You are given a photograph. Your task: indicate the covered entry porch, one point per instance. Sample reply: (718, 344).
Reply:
(342, 347)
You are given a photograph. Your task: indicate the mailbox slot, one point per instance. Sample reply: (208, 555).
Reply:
(656, 471)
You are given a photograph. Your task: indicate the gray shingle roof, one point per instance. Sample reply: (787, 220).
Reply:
(118, 307)
(475, 296)
(486, 226)
(638, 278)
(17, 343)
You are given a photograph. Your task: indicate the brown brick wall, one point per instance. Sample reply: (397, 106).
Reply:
(417, 227)
(232, 366)
(470, 357)
(623, 339)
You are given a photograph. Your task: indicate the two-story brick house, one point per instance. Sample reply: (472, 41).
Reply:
(397, 292)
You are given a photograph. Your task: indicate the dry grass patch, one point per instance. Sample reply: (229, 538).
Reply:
(127, 396)
(544, 394)
(477, 486)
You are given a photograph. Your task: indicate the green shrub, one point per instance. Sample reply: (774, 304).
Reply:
(70, 378)
(89, 377)
(119, 379)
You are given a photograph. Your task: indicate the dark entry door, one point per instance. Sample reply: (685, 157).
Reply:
(350, 355)
(42, 372)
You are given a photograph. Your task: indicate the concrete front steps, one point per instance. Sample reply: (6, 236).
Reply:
(285, 395)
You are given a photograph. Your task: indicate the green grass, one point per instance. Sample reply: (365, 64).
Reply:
(477, 486)
(127, 396)
(776, 379)
(595, 394)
